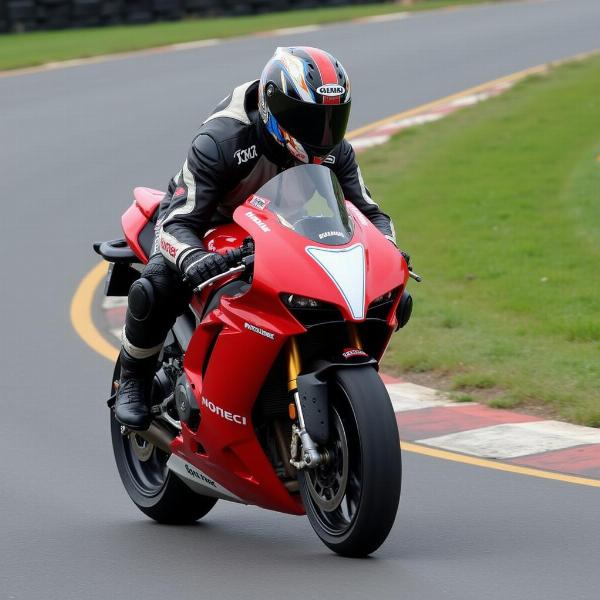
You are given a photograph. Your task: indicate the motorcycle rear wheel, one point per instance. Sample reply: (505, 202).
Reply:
(352, 501)
(152, 487)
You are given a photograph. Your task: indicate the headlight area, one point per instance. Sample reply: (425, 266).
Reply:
(296, 301)
(380, 307)
(384, 298)
(309, 311)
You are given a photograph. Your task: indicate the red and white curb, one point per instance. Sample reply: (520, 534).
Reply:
(380, 134)
(429, 417)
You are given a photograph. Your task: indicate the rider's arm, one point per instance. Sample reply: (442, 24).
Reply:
(193, 201)
(348, 173)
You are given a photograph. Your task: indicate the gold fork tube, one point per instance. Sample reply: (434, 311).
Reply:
(294, 364)
(354, 337)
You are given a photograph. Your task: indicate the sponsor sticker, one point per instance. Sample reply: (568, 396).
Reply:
(224, 414)
(327, 234)
(258, 202)
(168, 248)
(198, 475)
(353, 353)
(246, 154)
(261, 224)
(179, 192)
(331, 90)
(268, 334)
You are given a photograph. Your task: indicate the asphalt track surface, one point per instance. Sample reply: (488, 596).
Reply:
(73, 143)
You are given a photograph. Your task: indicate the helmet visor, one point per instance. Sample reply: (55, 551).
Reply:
(317, 126)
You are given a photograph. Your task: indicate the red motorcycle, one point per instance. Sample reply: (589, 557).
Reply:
(267, 389)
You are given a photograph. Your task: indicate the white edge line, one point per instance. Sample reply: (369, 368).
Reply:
(192, 45)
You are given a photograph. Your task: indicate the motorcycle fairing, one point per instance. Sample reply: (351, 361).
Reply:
(258, 323)
(138, 221)
(198, 481)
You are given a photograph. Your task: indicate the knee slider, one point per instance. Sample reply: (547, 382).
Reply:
(141, 299)
(161, 276)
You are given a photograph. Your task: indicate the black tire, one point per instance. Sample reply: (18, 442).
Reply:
(152, 487)
(360, 515)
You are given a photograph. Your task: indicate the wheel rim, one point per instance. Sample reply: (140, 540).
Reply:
(141, 448)
(146, 464)
(334, 489)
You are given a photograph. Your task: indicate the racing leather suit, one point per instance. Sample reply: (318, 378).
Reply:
(230, 158)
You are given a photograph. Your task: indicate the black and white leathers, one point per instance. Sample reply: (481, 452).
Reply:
(230, 158)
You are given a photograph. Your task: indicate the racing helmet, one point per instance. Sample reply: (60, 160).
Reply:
(304, 101)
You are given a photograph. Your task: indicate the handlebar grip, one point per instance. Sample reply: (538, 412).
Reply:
(235, 256)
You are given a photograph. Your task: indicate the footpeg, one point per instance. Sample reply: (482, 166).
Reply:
(111, 401)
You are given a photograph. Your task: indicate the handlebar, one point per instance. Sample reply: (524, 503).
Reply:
(247, 262)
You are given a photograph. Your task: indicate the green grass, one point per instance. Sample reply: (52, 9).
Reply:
(499, 205)
(36, 48)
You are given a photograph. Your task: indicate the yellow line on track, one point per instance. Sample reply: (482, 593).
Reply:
(81, 313)
(83, 323)
(498, 466)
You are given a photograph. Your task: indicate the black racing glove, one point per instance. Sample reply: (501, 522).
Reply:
(199, 266)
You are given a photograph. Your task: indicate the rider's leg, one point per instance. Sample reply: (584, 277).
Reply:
(155, 300)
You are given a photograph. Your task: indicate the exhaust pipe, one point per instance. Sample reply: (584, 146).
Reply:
(158, 435)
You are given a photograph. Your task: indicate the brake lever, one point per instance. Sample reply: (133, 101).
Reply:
(212, 280)
(414, 276)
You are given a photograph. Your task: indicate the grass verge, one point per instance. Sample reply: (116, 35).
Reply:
(499, 206)
(19, 50)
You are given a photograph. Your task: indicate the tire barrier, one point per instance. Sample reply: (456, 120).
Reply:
(31, 15)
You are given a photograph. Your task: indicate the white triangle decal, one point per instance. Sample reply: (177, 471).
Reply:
(346, 268)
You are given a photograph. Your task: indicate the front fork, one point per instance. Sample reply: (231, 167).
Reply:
(301, 439)
(304, 452)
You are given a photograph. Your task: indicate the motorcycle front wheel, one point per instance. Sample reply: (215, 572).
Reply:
(152, 487)
(352, 500)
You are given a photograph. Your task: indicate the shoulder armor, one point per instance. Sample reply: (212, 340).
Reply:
(234, 106)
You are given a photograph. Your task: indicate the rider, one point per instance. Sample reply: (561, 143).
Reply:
(296, 113)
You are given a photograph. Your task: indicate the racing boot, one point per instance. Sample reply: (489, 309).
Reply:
(132, 404)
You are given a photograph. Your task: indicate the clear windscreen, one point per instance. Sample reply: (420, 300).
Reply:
(309, 200)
